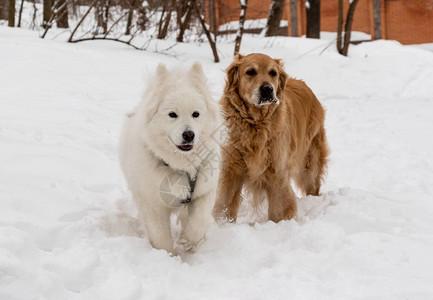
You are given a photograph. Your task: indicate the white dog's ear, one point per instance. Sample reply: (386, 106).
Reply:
(198, 80)
(161, 72)
(153, 100)
(196, 74)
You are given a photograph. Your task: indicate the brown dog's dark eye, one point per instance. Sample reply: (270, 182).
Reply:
(273, 73)
(251, 72)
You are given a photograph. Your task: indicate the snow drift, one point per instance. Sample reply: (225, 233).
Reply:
(68, 228)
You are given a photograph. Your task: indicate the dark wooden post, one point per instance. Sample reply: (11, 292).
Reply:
(377, 20)
(313, 19)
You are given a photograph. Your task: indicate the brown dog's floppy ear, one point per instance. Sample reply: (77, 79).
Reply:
(233, 74)
(282, 79)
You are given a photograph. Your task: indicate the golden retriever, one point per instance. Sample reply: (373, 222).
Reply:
(276, 134)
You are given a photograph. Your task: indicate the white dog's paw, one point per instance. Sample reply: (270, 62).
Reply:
(189, 245)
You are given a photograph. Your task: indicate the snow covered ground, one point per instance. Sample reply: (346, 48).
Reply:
(68, 228)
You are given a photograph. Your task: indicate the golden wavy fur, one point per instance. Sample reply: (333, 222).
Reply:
(276, 134)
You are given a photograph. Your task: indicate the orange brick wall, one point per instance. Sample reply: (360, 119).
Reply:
(407, 21)
(329, 15)
(228, 10)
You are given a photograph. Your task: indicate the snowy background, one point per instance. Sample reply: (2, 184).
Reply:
(68, 227)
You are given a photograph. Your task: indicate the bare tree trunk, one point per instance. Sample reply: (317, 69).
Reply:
(11, 21)
(294, 17)
(129, 21)
(130, 15)
(4, 9)
(47, 12)
(343, 48)
(313, 19)
(62, 14)
(164, 31)
(377, 21)
(161, 19)
(164, 20)
(35, 12)
(82, 19)
(340, 27)
(99, 15)
(74, 8)
(54, 16)
(244, 5)
(348, 27)
(20, 13)
(105, 16)
(142, 19)
(206, 31)
(212, 18)
(183, 18)
(184, 11)
(274, 18)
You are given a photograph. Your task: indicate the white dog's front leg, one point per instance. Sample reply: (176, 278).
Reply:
(195, 223)
(157, 222)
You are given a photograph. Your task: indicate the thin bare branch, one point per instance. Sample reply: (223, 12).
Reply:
(53, 16)
(114, 23)
(206, 31)
(81, 20)
(106, 39)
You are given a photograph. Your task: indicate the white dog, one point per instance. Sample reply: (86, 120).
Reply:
(170, 158)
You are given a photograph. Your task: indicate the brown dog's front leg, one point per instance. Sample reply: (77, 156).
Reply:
(282, 200)
(228, 196)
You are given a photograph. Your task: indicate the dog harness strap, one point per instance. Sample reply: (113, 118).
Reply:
(191, 181)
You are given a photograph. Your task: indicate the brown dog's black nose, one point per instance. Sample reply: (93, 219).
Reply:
(266, 91)
(188, 136)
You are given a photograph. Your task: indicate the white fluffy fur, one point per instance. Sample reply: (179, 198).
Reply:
(150, 137)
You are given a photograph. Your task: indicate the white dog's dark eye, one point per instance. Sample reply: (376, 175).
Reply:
(195, 114)
(172, 115)
(251, 72)
(273, 73)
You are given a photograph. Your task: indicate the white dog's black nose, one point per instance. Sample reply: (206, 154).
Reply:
(266, 91)
(188, 136)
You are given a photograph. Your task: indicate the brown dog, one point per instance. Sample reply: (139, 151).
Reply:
(276, 134)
